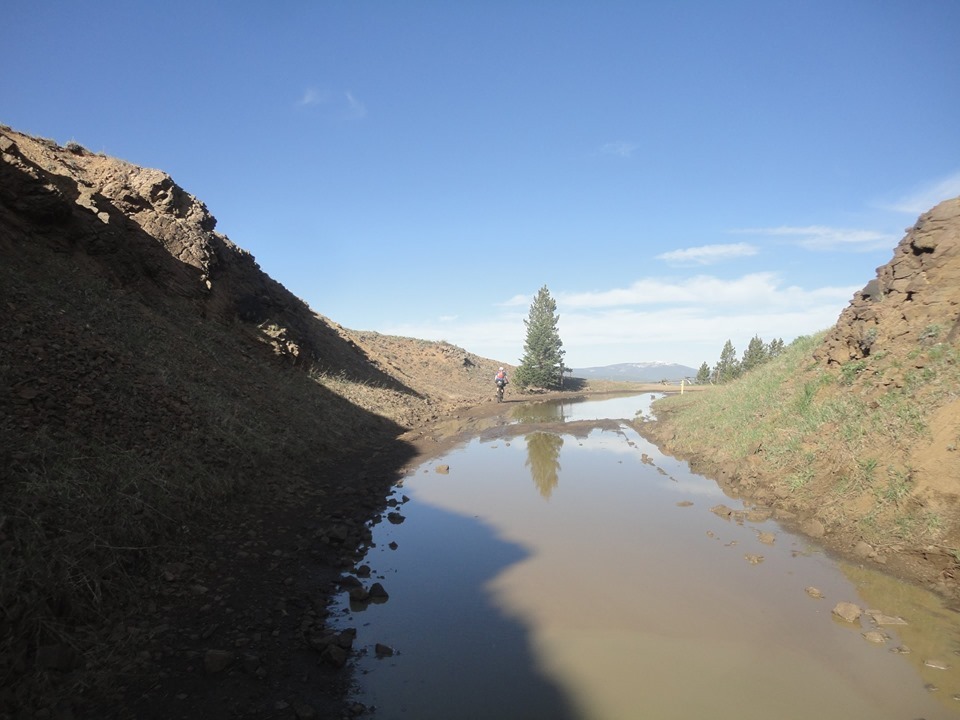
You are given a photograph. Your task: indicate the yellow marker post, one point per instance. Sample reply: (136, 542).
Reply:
(682, 381)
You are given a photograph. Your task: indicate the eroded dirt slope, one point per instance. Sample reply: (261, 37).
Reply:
(900, 333)
(170, 417)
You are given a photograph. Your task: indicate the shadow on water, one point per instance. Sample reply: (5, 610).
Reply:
(457, 654)
(582, 574)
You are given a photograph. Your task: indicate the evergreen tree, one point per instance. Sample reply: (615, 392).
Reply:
(775, 348)
(542, 362)
(703, 374)
(727, 367)
(754, 355)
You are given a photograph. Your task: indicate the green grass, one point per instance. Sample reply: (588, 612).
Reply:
(827, 431)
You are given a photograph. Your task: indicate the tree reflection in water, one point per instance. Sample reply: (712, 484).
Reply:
(543, 459)
(539, 412)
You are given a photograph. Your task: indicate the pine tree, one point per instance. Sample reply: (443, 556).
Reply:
(727, 367)
(755, 355)
(775, 348)
(703, 374)
(542, 362)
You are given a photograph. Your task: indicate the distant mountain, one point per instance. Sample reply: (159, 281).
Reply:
(637, 372)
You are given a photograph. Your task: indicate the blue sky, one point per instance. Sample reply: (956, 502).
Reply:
(676, 173)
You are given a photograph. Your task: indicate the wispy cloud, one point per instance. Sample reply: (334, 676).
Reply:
(823, 238)
(345, 104)
(748, 290)
(516, 301)
(620, 148)
(687, 335)
(355, 108)
(707, 254)
(312, 96)
(925, 198)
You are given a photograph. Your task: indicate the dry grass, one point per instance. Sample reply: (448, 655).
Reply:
(128, 432)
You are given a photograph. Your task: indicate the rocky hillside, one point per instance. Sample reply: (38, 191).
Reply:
(156, 383)
(146, 236)
(914, 301)
(900, 336)
(855, 436)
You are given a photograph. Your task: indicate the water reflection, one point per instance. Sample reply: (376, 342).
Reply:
(615, 407)
(545, 412)
(622, 597)
(543, 459)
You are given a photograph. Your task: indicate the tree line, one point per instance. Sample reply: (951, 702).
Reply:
(542, 362)
(729, 367)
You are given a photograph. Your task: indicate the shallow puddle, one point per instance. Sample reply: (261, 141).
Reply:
(583, 575)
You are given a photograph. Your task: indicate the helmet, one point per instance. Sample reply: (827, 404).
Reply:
(501, 369)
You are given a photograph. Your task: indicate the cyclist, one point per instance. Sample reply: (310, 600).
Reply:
(501, 380)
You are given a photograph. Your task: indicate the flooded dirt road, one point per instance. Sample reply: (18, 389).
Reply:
(572, 571)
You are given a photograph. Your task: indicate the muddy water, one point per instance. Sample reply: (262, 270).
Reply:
(581, 574)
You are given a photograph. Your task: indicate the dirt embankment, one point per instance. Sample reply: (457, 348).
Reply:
(190, 455)
(857, 443)
(166, 410)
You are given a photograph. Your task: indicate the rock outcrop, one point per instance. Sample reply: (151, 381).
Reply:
(914, 300)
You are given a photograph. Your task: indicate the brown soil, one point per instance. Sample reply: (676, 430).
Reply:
(256, 592)
(191, 456)
(832, 520)
(876, 477)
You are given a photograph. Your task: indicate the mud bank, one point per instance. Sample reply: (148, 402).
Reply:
(756, 483)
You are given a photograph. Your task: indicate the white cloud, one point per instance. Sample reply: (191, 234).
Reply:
(312, 96)
(500, 337)
(926, 198)
(689, 335)
(350, 107)
(707, 254)
(516, 301)
(707, 290)
(355, 108)
(823, 238)
(685, 321)
(623, 149)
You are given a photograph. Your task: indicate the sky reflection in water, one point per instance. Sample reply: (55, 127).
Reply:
(557, 576)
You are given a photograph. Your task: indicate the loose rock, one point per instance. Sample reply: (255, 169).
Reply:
(215, 661)
(848, 612)
(813, 527)
(880, 619)
(383, 650)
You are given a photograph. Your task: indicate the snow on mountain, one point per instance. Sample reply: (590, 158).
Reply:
(638, 372)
